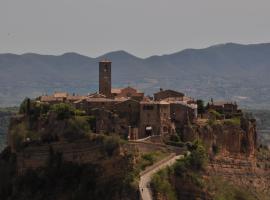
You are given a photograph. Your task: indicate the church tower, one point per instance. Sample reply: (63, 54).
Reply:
(105, 85)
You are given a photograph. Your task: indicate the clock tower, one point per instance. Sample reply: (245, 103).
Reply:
(105, 85)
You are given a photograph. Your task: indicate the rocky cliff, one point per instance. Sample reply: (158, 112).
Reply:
(226, 137)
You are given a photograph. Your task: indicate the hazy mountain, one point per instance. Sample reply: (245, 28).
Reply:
(227, 71)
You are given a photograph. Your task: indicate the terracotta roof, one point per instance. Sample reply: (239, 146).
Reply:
(96, 95)
(221, 103)
(76, 97)
(172, 91)
(60, 94)
(103, 100)
(47, 98)
(116, 90)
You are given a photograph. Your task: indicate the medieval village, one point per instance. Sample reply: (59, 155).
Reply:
(129, 134)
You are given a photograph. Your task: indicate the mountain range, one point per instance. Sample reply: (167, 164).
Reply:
(229, 71)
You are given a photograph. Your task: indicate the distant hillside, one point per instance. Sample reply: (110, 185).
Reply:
(227, 71)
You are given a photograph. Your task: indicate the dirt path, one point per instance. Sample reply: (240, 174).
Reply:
(146, 176)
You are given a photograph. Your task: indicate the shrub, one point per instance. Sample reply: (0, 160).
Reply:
(233, 121)
(63, 110)
(25, 106)
(160, 183)
(76, 128)
(79, 112)
(111, 143)
(215, 149)
(174, 138)
(201, 107)
(198, 156)
(214, 114)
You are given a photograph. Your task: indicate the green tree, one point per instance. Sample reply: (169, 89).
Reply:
(63, 110)
(201, 107)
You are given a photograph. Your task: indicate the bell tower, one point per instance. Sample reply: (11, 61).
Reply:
(105, 85)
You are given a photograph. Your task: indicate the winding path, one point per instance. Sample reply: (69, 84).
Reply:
(146, 175)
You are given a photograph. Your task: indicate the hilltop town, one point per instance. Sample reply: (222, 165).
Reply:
(131, 136)
(128, 112)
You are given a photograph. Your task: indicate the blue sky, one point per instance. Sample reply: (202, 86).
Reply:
(141, 27)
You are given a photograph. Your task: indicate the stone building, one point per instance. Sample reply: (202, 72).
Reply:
(225, 108)
(127, 92)
(90, 103)
(154, 118)
(169, 94)
(182, 113)
(129, 110)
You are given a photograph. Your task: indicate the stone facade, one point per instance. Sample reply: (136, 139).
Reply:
(91, 103)
(129, 110)
(182, 113)
(127, 92)
(155, 119)
(169, 94)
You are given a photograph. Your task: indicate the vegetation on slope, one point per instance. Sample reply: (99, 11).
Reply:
(186, 180)
(5, 114)
(186, 172)
(40, 122)
(59, 179)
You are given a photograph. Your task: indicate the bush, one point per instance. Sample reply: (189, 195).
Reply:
(214, 114)
(76, 128)
(160, 183)
(174, 138)
(233, 121)
(25, 106)
(201, 107)
(111, 143)
(198, 156)
(63, 110)
(215, 149)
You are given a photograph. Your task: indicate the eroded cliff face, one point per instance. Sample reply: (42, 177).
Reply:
(250, 173)
(234, 157)
(225, 138)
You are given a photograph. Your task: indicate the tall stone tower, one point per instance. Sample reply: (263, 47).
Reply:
(105, 84)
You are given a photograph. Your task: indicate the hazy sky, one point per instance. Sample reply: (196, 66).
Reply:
(141, 27)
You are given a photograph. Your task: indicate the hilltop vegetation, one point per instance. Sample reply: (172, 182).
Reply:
(44, 123)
